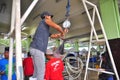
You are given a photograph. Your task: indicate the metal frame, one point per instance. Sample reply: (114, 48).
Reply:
(93, 31)
(19, 21)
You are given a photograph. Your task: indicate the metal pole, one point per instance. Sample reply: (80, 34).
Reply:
(88, 56)
(12, 18)
(10, 59)
(89, 17)
(11, 41)
(28, 11)
(19, 68)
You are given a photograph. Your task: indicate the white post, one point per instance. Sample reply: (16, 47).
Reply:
(11, 41)
(12, 18)
(28, 11)
(10, 59)
(19, 68)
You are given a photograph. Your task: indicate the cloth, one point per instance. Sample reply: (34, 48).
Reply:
(54, 69)
(39, 63)
(103, 76)
(40, 39)
(4, 67)
(28, 66)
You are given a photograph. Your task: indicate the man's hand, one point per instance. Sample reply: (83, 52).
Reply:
(2, 72)
(65, 32)
(59, 35)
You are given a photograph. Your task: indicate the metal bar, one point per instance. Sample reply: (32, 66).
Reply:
(11, 41)
(88, 57)
(28, 11)
(100, 40)
(89, 17)
(93, 17)
(10, 59)
(100, 70)
(12, 18)
(90, 3)
(19, 68)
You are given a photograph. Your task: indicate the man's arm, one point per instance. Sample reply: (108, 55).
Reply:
(54, 25)
(59, 35)
(1, 70)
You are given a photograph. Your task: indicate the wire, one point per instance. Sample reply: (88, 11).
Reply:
(75, 70)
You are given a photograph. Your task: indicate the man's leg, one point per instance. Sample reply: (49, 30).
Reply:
(39, 62)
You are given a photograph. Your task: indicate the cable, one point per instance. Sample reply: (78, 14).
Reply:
(73, 70)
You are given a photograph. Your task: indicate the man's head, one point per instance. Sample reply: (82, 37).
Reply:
(49, 53)
(45, 13)
(6, 52)
(28, 54)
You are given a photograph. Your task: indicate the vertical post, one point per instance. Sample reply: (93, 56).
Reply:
(10, 59)
(29, 39)
(77, 45)
(11, 41)
(57, 42)
(19, 68)
(12, 18)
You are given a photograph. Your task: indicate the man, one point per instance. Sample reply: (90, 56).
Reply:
(4, 66)
(40, 41)
(54, 67)
(28, 67)
(106, 66)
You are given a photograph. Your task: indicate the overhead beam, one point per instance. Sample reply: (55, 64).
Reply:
(28, 11)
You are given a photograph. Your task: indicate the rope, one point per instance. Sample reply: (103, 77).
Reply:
(73, 71)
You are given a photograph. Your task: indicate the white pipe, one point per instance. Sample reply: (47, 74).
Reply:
(88, 57)
(102, 71)
(23, 17)
(90, 3)
(93, 17)
(19, 68)
(11, 41)
(12, 18)
(10, 59)
(89, 17)
(28, 11)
